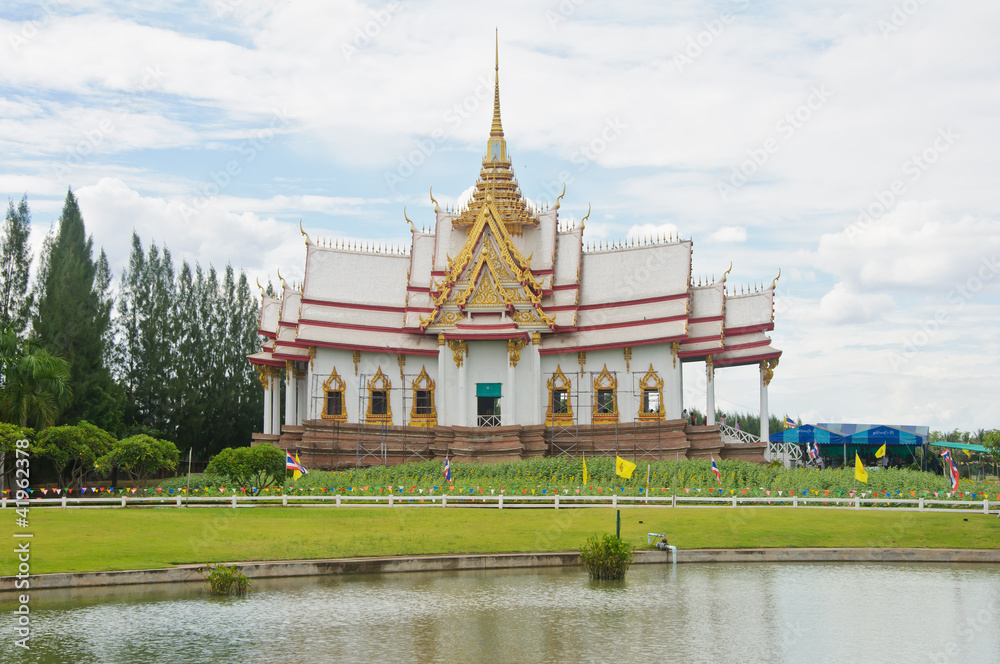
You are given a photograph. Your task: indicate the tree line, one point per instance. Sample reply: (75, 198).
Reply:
(161, 353)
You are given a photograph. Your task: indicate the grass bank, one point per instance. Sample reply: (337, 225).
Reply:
(116, 539)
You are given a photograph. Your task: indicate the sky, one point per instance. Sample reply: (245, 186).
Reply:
(852, 144)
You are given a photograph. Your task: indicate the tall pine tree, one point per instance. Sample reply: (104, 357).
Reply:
(15, 260)
(72, 318)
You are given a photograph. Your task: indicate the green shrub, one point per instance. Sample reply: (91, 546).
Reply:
(250, 467)
(607, 558)
(224, 580)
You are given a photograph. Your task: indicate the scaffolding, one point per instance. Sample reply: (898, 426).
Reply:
(565, 436)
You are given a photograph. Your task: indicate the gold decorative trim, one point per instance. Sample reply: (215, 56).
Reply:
(605, 381)
(627, 352)
(767, 368)
(675, 348)
(536, 339)
(581, 357)
(710, 367)
(651, 381)
(261, 375)
(379, 383)
(334, 384)
(357, 361)
(514, 347)
(441, 340)
(289, 371)
(312, 358)
(423, 382)
(459, 349)
(401, 359)
(559, 381)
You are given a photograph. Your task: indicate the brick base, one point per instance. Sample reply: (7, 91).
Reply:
(328, 445)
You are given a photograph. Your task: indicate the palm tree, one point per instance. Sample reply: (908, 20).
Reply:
(35, 383)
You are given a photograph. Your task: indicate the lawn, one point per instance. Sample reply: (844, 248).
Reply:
(83, 540)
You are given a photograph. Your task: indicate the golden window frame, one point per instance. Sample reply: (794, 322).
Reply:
(651, 381)
(605, 381)
(334, 384)
(423, 382)
(559, 381)
(379, 383)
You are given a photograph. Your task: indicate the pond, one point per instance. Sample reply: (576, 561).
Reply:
(812, 613)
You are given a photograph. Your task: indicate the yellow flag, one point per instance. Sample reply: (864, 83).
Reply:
(624, 468)
(968, 453)
(586, 477)
(881, 452)
(860, 474)
(296, 474)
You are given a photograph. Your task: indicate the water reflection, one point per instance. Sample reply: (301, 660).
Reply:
(697, 613)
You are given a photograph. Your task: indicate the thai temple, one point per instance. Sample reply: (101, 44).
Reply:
(500, 333)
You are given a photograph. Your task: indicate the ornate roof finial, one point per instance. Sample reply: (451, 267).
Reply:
(556, 207)
(585, 217)
(413, 229)
(261, 288)
(433, 200)
(283, 286)
(301, 230)
(775, 282)
(726, 273)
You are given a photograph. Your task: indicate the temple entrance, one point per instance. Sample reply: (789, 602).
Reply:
(488, 404)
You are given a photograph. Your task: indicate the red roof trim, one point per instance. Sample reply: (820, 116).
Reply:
(351, 305)
(617, 344)
(373, 349)
(489, 336)
(742, 361)
(566, 287)
(707, 319)
(268, 363)
(631, 323)
(348, 326)
(749, 329)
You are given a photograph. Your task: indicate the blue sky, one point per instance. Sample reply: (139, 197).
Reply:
(851, 144)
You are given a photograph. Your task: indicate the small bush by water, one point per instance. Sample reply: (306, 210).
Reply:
(224, 580)
(607, 558)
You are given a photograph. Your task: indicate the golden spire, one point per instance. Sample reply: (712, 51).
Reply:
(496, 130)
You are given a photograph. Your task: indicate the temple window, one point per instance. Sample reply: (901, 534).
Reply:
(333, 398)
(606, 399)
(379, 409)
(422, 412)
(560, 410)
(652, 396)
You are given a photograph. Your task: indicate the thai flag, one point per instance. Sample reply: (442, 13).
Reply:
(292, 464)
(447, 469)
(814, 451)
(789, 422)
(952, 470)
(715, 471)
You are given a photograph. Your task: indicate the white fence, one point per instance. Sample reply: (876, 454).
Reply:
(502, 501)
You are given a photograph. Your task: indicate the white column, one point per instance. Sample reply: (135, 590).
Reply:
(291, 389)
(764, 380)
(302, 399)
(463, 405)
(538, 406)
(507, 397)
(441, 387)
(276, 403)
(267, 400)
(709, 391)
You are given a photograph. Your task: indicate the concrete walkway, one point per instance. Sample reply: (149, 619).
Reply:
(435, 563)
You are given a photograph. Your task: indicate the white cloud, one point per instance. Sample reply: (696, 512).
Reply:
(842, 305)
(915, 246)
(729, 235)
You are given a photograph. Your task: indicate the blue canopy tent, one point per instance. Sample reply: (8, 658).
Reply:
(880, 435)
(807, 433)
